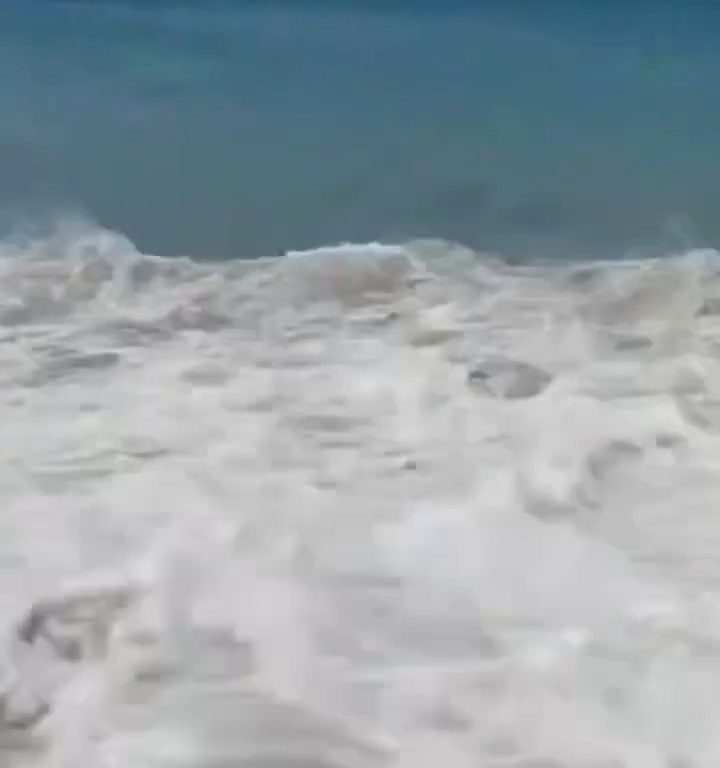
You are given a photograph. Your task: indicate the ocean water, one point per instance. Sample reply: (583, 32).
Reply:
(241, 129)
(359, 385)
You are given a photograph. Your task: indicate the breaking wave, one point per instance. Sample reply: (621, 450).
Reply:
(369, 505)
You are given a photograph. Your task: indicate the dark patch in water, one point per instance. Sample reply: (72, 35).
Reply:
(508, 379)
(533, 215)
(63, 364)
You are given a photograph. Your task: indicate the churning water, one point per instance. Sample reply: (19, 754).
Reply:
(362, 506)
(401, 504)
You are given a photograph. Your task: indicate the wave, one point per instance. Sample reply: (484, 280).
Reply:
(75, 261)
(339, 505)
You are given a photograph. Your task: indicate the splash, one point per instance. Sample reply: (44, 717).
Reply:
(366, 506)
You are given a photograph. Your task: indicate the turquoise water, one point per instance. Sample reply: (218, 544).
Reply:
(395, 504)
(244, 128)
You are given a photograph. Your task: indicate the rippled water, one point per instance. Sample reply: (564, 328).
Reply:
(364, 506)
(231, 128)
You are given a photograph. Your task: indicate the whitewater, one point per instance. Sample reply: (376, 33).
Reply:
(364, 506)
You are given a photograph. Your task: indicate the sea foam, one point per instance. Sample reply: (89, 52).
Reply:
(384, 505)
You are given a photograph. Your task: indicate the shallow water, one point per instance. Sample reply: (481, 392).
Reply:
(398, 504)
(368, 506)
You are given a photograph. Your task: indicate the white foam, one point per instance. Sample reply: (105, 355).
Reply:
(331, 548)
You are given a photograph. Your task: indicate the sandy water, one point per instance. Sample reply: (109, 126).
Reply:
(365, 506)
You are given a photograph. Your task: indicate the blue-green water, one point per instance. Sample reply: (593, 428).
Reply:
(245, 128)
(380, 504)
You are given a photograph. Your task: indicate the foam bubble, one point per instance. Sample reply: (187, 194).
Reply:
(260, 513)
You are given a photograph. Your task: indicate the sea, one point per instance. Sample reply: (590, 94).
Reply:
(359, 384)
